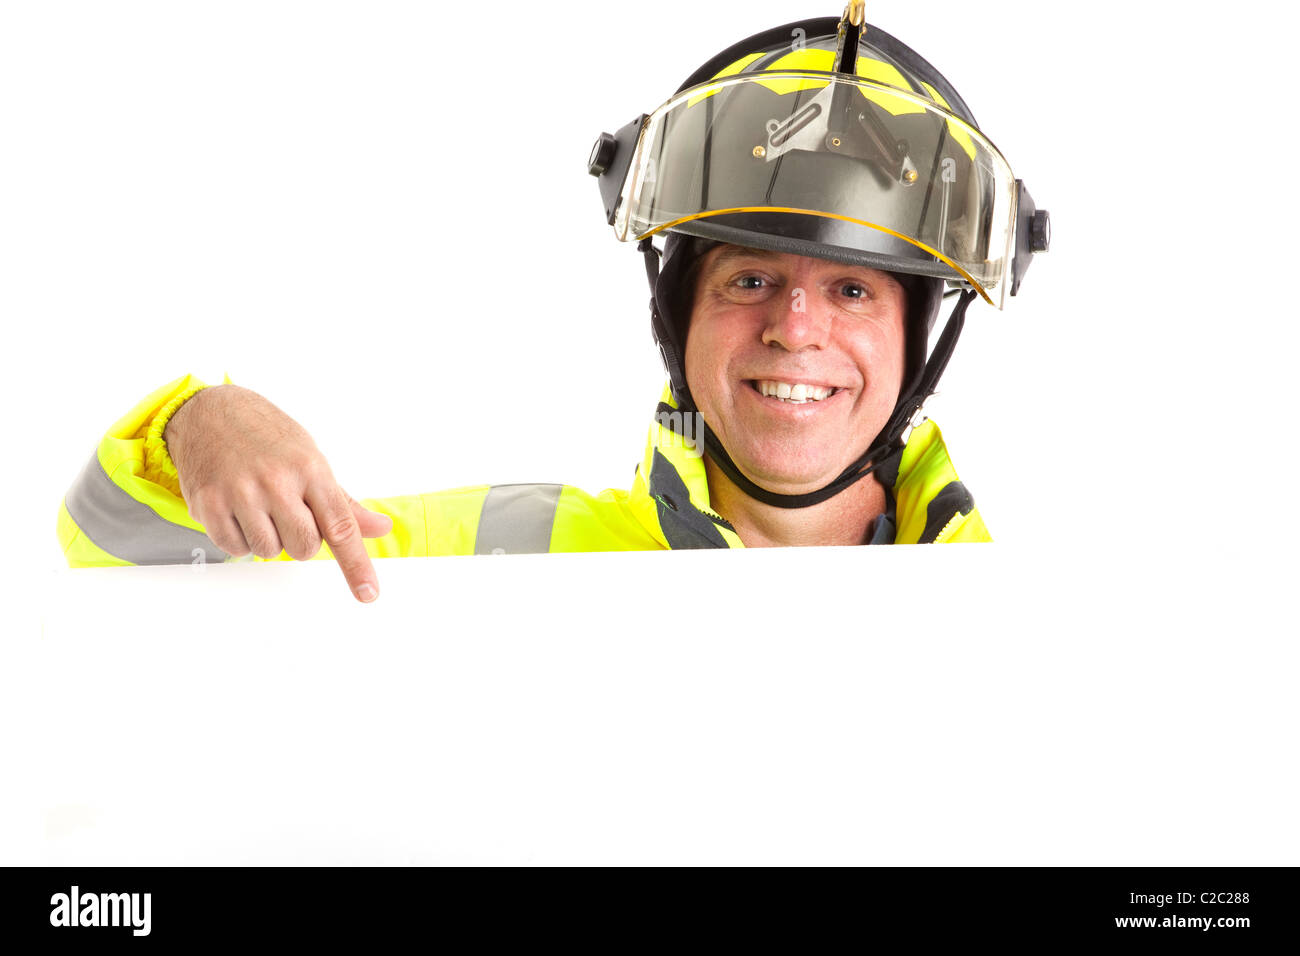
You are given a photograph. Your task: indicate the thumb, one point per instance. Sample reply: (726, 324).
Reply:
(372, 523)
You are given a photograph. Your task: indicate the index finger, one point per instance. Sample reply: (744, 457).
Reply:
(338, 526)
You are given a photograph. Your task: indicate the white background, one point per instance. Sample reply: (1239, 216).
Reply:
(380, 218)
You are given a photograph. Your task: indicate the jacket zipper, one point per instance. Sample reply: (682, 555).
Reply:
(715, 518)
(955, 519)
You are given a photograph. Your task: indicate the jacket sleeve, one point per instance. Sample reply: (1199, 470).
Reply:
(126, 508)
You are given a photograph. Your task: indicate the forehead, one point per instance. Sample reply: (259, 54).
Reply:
(727, 254)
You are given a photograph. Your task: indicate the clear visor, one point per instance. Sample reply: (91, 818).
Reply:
(849, 167)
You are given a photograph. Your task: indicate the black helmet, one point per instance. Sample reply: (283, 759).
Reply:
(826, 138)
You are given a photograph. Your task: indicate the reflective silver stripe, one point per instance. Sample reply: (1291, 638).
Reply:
(129, 529)
(517, 519)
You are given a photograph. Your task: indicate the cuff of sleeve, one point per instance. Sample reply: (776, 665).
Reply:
(158, 465)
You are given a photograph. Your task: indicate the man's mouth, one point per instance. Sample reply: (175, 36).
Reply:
(793, 393)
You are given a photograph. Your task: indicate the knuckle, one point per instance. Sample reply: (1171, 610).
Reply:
(236, 549)
(313, 465)
(304, 552)
(265, 549)
(279, 472)
(339, 528)
(204, 500)
(281, 486)
(300, 537)
(229, 542)
(245, 492)
(264, 542)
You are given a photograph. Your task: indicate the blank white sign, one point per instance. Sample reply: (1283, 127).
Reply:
(972, 704)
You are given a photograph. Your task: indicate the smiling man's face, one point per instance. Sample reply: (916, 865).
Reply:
(795, 362)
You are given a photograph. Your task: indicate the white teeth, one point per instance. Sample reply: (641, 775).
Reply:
(797, 394)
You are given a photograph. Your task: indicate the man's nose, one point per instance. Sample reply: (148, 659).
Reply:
(798, 321)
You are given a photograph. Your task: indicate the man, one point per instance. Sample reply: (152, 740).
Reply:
(817, 185)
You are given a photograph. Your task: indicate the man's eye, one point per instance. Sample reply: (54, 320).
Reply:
(854, 290)
(750, 282)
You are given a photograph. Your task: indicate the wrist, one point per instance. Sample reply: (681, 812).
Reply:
(169, 422)
(160, 466)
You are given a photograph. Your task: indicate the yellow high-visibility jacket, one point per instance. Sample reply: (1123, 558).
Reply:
(126, 506)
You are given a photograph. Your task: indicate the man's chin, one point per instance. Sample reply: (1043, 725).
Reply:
(776, 474)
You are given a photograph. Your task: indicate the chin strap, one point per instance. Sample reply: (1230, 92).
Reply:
(886, 445)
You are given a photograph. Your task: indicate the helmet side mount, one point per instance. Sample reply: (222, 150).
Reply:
(1033, 234)
(609, 161)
